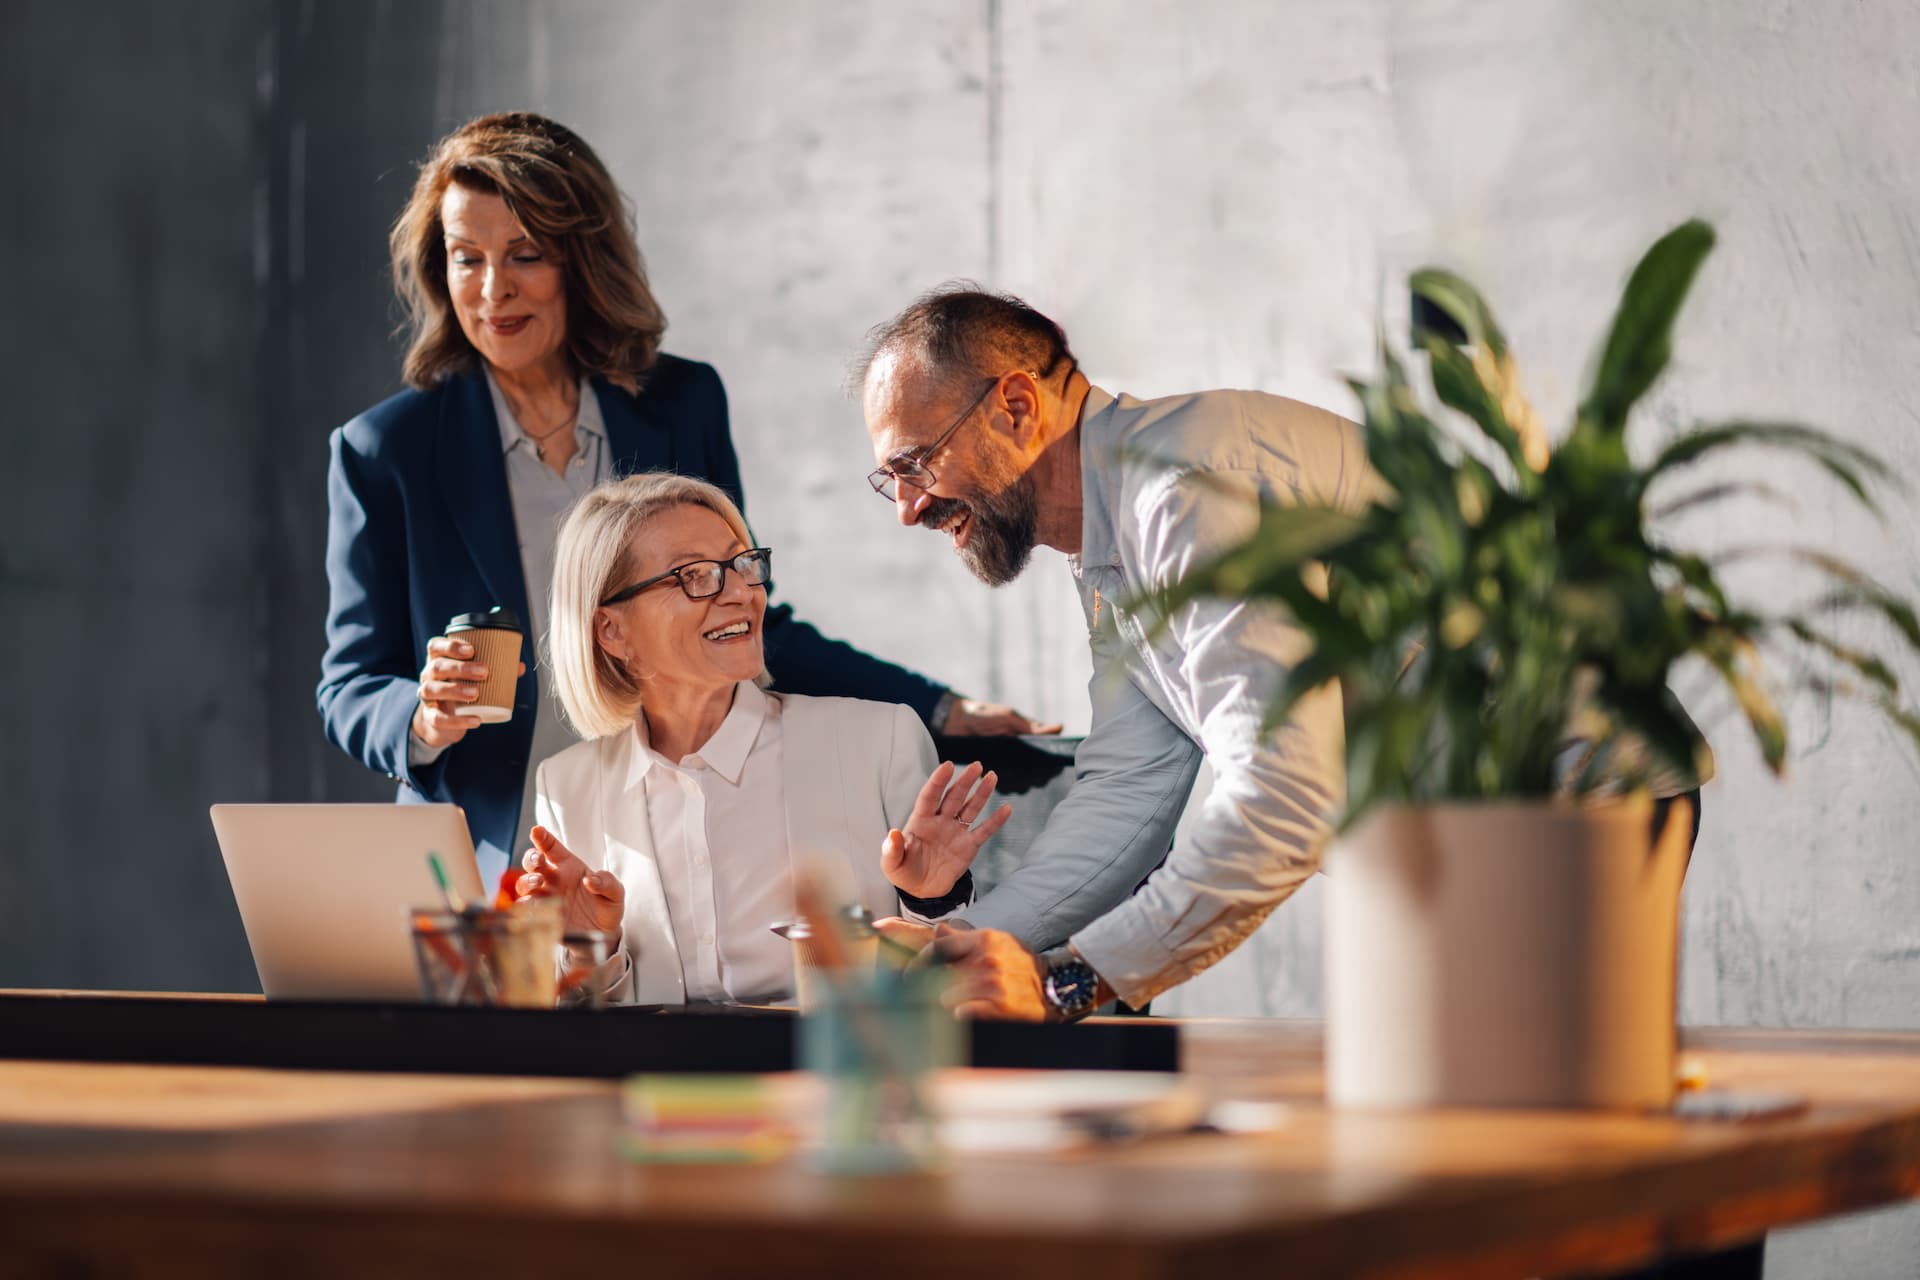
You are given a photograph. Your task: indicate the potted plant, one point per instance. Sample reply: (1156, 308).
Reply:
(1502, 918)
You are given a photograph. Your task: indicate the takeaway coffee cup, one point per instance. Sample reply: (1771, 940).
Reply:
(495, 637)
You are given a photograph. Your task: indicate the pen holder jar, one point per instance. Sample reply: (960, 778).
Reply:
(489, 957)
(875, 1040)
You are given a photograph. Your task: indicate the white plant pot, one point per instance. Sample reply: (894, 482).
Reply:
(1504, 955)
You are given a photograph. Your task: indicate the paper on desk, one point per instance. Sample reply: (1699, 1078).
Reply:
(1009, 1111)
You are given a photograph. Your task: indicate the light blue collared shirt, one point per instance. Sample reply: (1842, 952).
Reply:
(1166, 485)
(541, 499)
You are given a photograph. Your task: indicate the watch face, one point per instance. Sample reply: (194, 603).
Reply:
(1071, 985)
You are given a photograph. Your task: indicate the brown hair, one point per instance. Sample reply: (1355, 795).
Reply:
(558, 190)
(959, 332)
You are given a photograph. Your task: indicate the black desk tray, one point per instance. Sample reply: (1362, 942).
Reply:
(423, 1038)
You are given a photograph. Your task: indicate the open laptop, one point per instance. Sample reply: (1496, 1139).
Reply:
(325, 891)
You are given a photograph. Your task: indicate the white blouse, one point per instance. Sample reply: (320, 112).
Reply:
(719, 829)
(706, 845)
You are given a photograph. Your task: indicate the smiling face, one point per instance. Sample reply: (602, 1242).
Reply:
(669, 641)
(509, 297)
(983, 494)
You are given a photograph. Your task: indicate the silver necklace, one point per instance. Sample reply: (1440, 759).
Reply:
(538, 441)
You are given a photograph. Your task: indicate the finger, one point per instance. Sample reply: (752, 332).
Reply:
(446, 647)
(907, 932)
(559, 859)
(448, 669)
(953, 948)
(984, 832)
(1043, 730)
(523, 669)
(946, 927)
(978, 800)
(445, 716)
(606, 885)
(531, 884)
(978, 1008)
(893, 851)
(448, 691)
(956, 794)
(531, 860)
(927, 803)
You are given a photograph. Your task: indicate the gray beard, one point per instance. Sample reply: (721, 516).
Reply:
(1004, 529)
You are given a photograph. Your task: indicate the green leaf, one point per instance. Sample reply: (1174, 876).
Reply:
(1846, 462)
(1462, 304)
(1902, 718)
(1697, 574)
(1719, 492)
(1859, 659)
(1459, 386)
(1641, 341)
(1655, 715)
(1858, 591)
(1287, 540)
(1768, 727)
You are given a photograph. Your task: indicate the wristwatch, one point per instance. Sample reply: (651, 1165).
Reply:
(1070, 986)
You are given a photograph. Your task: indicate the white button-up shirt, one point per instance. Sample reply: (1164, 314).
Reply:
(718, 822)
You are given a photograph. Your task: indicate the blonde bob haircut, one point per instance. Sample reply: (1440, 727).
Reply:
(593, 559)
(564, 198)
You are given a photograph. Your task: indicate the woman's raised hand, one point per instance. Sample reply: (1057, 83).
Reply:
(926, 856)
(449, 681)
(593, 899)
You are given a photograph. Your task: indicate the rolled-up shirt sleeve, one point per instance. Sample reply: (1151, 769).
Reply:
(1258, 835)
(1132, 777)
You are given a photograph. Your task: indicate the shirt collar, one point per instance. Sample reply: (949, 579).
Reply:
(512, 436)
(725, 752)
(1097, 546)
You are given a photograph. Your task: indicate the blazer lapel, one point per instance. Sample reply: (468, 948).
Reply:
(636, 439)
(473, 482)
(822, 794)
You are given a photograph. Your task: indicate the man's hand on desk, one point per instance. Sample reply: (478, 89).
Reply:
(992, 974)
(971, 718)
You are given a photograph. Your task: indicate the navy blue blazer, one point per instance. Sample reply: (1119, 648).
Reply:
(420, 528)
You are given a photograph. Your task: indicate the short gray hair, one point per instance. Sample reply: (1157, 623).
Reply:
(592, 560)
(960, 332)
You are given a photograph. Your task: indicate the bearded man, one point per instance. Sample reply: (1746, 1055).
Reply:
(985, 430)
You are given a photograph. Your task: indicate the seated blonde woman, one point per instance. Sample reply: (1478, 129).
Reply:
(678, 823)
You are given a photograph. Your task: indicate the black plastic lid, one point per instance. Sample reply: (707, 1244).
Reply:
(498, 618)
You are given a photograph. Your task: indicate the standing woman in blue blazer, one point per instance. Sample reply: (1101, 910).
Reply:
(535, 374)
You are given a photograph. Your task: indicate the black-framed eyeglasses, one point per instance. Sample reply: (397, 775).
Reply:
(909, 466)
(704, 579)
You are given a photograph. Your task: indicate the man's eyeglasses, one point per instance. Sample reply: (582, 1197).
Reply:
(704, 579)
(909, 466)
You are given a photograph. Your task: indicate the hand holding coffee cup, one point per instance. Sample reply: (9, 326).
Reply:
(470, 677)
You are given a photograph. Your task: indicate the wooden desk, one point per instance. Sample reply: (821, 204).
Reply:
(177, 1171)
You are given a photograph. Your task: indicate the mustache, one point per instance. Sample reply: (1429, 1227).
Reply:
(941, 512)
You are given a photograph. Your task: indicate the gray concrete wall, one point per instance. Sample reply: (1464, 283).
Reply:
(1206, 194)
